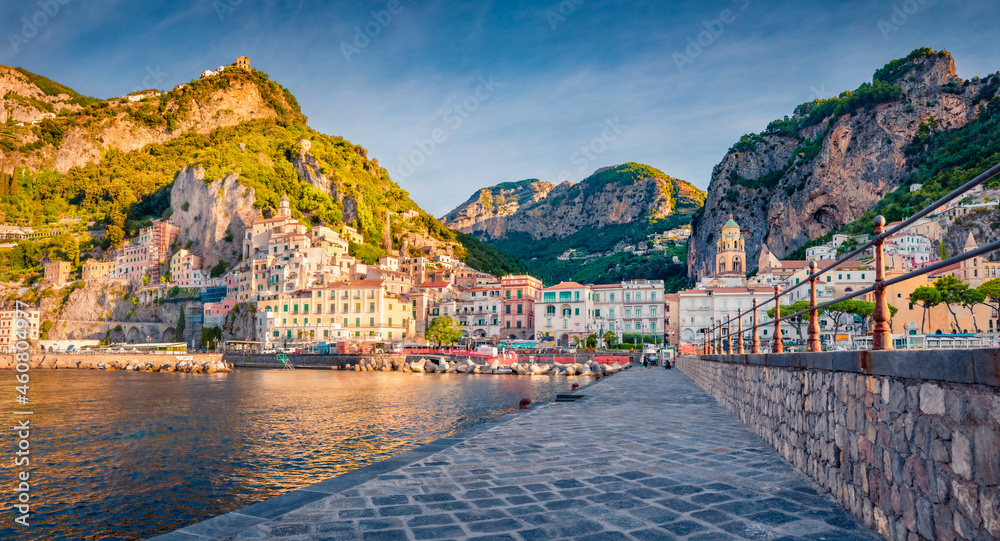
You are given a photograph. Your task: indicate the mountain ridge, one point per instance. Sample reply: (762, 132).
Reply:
(114, 163)
(596, 230)
(627, 192)
(834, 159)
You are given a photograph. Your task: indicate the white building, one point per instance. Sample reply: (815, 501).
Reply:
(911, 249)
(632, 307)
(703, 308)
(565, 311)
(479, 312)
(825, 251)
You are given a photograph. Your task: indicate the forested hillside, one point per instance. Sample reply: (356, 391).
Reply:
(255, 131)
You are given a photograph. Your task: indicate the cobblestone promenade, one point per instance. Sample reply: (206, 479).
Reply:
(646, 454)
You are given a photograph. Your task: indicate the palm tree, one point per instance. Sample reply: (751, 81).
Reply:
(610, 339)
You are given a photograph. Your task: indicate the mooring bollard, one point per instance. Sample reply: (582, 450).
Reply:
(575, 386)
(523, 404)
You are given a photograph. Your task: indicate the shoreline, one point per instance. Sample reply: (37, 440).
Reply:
(194, 363)
(212, 363)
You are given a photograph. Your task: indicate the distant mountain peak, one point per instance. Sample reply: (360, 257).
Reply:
(834, 159)
(623, 193)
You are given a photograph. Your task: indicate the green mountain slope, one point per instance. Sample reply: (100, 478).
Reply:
(332, 183)
(590, 231)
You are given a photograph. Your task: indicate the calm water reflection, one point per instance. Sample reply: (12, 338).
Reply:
(124, 455)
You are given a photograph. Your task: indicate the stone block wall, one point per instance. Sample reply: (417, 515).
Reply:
(909, 442)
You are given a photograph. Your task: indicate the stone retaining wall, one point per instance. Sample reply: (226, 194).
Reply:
(909, 441)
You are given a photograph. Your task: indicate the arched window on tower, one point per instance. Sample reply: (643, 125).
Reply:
(737, 265)
(722, 266)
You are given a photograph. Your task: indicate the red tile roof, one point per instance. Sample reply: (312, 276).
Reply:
(566, 285)
(945, 270)
(353, 283)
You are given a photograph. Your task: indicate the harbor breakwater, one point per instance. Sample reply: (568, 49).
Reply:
(432, 363)
(195, 363)
(211, 363)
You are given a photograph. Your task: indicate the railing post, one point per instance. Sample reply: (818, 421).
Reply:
(704, 341)
(778, 347)
(729, 335)
(881, 334)
(739, 337)
(813, 343)
(755, 338)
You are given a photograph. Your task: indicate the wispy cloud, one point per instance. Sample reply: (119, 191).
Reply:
(606, 60)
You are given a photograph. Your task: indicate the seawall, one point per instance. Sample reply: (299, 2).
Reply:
(309, 360)
(140, 362)
(395, 361)
(909, 441)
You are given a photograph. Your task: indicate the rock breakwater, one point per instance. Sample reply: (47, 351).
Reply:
(191, 364)
(469, 366)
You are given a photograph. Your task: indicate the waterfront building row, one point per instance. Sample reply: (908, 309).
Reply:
(728, 291)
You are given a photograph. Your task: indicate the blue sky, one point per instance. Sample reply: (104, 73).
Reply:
(454, 96)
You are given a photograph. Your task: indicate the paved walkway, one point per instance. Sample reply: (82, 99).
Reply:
(646, 454)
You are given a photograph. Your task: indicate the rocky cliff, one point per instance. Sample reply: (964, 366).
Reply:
(93, 310)
(86, 128)
(834, 159)
(213, 216)
(595, 231)
(489, 208)
(611, 196)
(23, 100)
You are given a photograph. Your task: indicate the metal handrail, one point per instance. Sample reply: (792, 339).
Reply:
(892, 281)
(875, 242)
